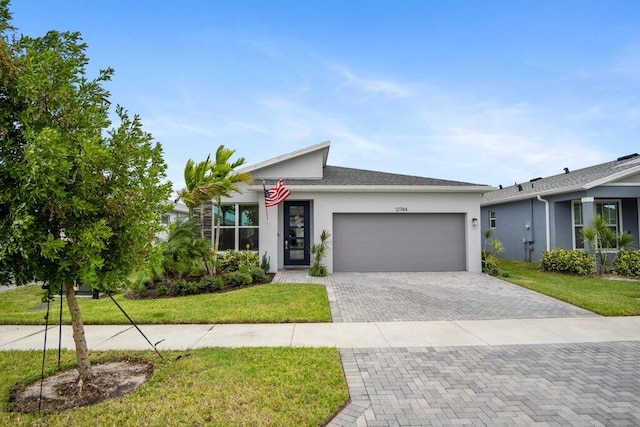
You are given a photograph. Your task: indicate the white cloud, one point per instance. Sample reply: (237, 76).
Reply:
(371, 86)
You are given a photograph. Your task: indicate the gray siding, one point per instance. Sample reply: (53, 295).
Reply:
(630, 219)
(510, 228)
(563, 226)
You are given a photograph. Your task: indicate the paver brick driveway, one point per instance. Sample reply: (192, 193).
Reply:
(575, 384)
(391, 297)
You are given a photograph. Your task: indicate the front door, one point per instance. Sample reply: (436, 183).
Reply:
(296, 233)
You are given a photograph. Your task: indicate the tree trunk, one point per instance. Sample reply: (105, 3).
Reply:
(82, 351)
(202, 220)
(216, 245)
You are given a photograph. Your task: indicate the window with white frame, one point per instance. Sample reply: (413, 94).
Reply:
(492, 219)
(609, 210)
(239, 226)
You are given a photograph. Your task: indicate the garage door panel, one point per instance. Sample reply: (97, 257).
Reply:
(399, 242)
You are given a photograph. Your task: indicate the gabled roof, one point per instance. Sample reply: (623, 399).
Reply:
(336, 175)
(578, 180)
(323, 146)
(341, 179)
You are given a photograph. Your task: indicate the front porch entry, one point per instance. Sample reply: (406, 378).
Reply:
(296, 232)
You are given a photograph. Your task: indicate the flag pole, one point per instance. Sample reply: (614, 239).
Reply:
(266, 209)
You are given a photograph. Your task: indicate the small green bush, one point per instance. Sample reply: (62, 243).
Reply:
(178, 287)
(234, 261)
(265, 263)
(161, 289)
(257, 275)
(567, 261)
(237, 278)
(318, 271)
(627, 263)
(489, 263)
(193, 288)
(211, 283)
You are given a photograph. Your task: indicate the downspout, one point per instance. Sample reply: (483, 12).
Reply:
(546, 220)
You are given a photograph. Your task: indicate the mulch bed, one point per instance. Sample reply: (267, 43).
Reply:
(62, 390)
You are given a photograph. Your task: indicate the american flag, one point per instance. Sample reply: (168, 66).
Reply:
(276, 195)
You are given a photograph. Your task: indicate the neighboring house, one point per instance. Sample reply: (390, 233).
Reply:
(548, 213)
(177, 213)
(378, 221)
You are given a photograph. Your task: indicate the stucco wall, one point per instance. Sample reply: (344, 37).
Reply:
(324, 205)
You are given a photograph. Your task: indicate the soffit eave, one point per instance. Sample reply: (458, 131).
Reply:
(384, 188)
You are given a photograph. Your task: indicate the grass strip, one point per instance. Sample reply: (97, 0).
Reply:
(270, 303)
(605, 296)
(214, 386)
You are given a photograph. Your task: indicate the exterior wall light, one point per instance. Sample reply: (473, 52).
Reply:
(474, 221)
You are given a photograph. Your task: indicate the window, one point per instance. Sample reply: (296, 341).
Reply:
(607, 209)
(492, 219)
(238, 226)
(578, 241)
(170, 218)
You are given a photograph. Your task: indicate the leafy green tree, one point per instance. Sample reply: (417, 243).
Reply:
(603, 240)
(224, 172)
(80, 199)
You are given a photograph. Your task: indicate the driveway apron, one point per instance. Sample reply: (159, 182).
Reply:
(577, 384)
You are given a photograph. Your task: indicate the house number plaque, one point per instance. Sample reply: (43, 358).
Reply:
(402, 209)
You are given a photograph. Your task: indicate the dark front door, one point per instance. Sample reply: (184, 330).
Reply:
(296, 233)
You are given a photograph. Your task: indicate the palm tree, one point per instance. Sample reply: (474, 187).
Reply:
(201, 185)
(601, 237)
(228, 180)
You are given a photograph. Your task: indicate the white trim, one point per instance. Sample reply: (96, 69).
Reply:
(573, 223)
(612, 177)
(621, 184)
(481, 189)
(547, 222)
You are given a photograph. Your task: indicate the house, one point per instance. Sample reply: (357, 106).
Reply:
(179, 212)
(378, 221)
(549, 213)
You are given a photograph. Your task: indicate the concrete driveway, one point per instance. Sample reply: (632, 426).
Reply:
(594, 382)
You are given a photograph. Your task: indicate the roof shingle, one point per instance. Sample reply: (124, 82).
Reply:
(561, 183)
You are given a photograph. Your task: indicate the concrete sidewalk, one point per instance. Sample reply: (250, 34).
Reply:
(341, 335)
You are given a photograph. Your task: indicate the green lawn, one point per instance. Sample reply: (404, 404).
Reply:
(225, 387)
(603, 296)
(270, 303)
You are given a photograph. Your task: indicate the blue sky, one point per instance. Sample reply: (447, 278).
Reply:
(489, 92)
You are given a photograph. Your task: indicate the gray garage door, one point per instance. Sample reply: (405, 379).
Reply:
(398, 242)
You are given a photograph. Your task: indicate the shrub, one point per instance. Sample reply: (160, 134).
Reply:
(238, 278)
(265, 263)
(211, 283)
(178, 287)
(161, 289)
(567, 261)
(489, 263)
(236, 261)
(627, 263)
(257, 275)
(319, 251)
(193, 288)
(492, 247)
(318, 271)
